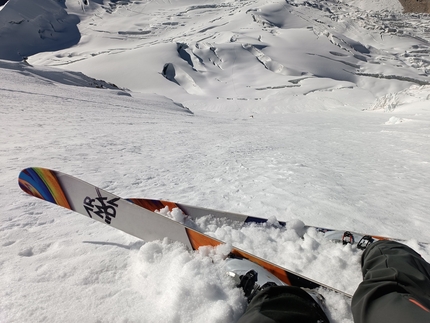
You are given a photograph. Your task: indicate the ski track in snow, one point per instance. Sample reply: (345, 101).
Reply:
(307, 110)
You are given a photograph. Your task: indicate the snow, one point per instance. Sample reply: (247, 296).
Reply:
(312, 111)
(376, 5)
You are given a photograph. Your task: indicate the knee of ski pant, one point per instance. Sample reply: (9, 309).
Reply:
(391, 270)
(386, 261)
(282, 304)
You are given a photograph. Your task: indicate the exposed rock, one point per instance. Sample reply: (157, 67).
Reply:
(416, 5)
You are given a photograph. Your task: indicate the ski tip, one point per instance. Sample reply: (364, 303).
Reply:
(27, 181)
(43, 183)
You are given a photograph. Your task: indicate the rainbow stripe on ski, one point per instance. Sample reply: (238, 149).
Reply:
(43, 183)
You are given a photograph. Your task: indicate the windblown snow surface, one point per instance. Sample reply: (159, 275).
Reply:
(313, 111)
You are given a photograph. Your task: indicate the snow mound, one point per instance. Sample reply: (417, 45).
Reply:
(415, 96)
(394, 120)
(179, 76)
(31, 27)
(193, 287)
(270, 64)
(55, 75)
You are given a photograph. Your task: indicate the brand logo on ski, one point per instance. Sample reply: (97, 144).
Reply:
(101, 206)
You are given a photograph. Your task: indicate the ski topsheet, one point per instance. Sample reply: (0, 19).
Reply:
(195, 212)
(100, 205)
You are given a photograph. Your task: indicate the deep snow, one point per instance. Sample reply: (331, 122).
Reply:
(318, 113)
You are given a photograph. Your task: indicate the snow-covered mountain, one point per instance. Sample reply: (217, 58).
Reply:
(309, 110)
(259, 52)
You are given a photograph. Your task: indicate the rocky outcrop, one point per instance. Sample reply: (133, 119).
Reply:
(416, 5)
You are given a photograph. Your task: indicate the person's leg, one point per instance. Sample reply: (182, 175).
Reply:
(271, 300)
(395, 287)
(283, 304)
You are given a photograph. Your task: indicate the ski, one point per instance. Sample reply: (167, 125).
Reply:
(195, 212)
(100, 205)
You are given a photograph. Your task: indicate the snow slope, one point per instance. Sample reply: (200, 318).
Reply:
(311, 111)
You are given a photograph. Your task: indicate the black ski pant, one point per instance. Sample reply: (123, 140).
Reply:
(395, 289)
(283, 304)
